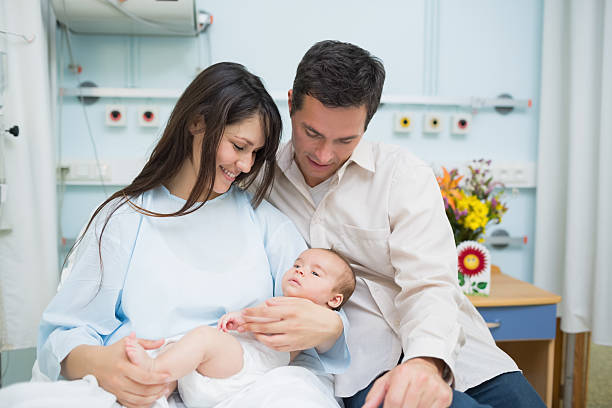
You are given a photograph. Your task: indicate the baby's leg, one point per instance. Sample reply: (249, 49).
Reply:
(213, 353)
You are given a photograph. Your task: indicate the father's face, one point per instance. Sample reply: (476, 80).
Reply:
(324, 138)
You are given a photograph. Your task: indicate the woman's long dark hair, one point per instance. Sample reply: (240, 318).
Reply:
(223, 94)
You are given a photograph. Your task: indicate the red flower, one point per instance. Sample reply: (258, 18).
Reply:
(472, 258)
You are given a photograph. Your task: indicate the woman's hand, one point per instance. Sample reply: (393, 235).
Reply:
(294, 324)
(133, 386)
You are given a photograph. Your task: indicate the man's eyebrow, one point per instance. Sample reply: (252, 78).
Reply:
(313, 130)
(349, 138)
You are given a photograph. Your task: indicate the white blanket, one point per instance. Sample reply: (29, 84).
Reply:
(294, 387)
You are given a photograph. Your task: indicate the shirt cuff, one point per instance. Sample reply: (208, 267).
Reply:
(337, 359)
(434, 349)
(59, 344)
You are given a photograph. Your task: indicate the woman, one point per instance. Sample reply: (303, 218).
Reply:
(181, 245)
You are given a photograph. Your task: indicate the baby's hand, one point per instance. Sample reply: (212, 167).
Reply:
(230, 321)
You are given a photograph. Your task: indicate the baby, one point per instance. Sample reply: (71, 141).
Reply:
(211, 364)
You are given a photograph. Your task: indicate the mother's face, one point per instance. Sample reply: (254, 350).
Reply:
(236, 153)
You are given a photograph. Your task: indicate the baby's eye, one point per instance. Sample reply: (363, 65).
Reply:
(314, 273)
(296, 266)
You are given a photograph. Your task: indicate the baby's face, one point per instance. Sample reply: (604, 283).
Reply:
(314, 276)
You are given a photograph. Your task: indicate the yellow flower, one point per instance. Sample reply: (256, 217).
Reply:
(472, 221)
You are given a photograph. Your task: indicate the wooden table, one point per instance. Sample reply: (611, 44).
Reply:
(522, 319)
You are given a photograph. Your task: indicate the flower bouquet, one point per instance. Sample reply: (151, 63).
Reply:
(471, 203)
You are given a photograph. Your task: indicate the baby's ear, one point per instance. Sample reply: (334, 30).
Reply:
(336, 300)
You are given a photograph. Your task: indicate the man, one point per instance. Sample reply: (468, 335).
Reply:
(380, 207)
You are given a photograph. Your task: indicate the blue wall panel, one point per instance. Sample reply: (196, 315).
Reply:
(485, 48)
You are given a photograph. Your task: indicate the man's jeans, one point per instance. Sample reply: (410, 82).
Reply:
(509, 390)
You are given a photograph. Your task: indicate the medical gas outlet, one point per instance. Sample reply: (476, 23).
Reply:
(403, 122)
(432, 123)
(116, 115)
(148, 116)
(461, 123)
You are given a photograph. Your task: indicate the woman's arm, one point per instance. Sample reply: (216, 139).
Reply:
(86, 311)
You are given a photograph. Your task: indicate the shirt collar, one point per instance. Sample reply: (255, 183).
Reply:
(363, 156)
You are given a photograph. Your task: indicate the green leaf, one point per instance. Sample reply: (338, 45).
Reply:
(482, 285)
(461, 279)
(474, 290)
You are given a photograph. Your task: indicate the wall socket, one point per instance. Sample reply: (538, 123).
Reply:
(84, 171)
(515, 174)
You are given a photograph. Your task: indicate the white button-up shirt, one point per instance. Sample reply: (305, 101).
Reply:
(384, 212)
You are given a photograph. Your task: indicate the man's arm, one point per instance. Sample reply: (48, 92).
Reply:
(423, 255)
(294, 324)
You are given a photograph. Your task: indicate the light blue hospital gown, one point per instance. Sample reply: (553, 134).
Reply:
(164, 276)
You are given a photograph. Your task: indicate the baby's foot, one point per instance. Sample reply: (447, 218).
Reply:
(137, 354)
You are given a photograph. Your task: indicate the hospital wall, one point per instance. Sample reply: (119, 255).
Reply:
(479, 48)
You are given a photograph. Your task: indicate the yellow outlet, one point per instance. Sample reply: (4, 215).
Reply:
(403, 122)
(433, 123)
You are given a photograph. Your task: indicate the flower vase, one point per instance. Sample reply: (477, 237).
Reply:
(474, 267)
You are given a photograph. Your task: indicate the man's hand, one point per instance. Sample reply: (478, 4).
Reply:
(133, 386)
(295, 324)
(416, 383)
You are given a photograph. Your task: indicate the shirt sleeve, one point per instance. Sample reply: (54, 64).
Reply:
(424, 257)
(283, 243)
(86, 310)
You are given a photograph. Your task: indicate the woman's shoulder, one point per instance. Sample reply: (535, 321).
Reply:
(265, 211)
(118, 214)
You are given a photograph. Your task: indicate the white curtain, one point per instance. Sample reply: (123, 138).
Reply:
(28, 252)
(573, 246)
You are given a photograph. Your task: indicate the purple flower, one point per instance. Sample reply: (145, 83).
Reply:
(493, 185)
(493, 203)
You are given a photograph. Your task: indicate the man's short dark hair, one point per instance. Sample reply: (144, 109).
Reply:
(339, 74)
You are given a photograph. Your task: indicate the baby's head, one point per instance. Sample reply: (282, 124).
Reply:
(322, 276)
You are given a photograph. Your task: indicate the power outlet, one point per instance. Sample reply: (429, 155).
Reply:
(515, 174)
(433, 123)
(116, 115)
(85, 171)
(148, 116)
(403, 122)
(461, 123)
